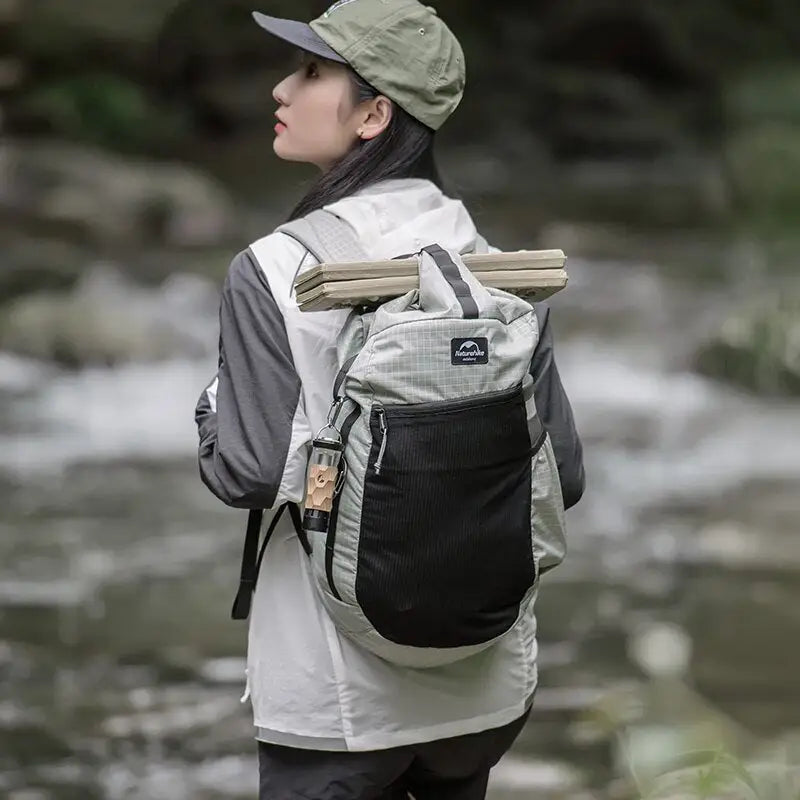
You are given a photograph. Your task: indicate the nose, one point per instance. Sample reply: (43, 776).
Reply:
(281, 92)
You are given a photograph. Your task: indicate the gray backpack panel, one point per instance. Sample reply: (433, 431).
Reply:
(450, 505)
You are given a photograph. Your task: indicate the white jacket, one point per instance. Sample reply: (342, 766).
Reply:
(309, 686)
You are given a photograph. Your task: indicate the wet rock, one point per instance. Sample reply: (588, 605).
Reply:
(108, 200)
(177, 711)
(29, 794)
(751, 676)
(31, 744)
(758, 539)
(29, 264)
(758, 348)
(107, 320)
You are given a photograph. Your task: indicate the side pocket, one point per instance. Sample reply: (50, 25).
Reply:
(547, 506)
(330, 541)
(547, 510)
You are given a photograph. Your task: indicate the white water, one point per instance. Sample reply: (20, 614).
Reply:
(132, 411)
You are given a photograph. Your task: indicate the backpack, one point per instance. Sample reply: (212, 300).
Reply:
(446, 506)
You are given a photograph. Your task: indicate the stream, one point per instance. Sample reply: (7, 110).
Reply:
(121, 671)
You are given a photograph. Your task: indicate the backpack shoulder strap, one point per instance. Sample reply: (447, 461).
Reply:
(327, 237)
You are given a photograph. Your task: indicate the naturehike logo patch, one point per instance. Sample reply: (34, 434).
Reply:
(469, 351)
(335, 6)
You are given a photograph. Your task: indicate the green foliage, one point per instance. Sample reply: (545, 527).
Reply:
(764, 166)
(763, 152)
(720, 775)
(707, 775)
(102, 108)
(767, 95)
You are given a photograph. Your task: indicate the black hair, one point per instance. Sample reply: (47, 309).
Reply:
(403, 150)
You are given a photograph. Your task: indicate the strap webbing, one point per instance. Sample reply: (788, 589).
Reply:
(252, 556)
(297, 520)
(341, 375)
(452, 275)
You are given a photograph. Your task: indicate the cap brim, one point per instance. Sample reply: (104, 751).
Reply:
(299, 34)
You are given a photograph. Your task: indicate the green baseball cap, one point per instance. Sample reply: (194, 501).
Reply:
(401, 47)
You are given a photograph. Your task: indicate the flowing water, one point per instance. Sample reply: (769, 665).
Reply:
(120, 670)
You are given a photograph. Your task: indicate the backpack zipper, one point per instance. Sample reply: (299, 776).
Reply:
(384, 427)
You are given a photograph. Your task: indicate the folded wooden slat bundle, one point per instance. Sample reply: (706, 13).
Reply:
(534, 274)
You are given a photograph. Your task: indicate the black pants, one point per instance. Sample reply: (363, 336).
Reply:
(447, 769)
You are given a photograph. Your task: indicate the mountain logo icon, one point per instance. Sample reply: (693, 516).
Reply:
(469, 351)
(470, 348)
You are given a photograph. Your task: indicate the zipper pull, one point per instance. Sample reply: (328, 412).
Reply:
(384, 435)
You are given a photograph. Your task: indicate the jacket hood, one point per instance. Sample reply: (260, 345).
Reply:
(402, 215)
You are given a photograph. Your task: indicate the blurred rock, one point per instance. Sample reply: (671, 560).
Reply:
(34, 743)
(172, 713)
(108, 320)
(108, 200)
(759, 347)
(752, 676)
(759, 545)
(29, 264)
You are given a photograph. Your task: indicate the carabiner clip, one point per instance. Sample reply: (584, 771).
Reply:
(333, 414)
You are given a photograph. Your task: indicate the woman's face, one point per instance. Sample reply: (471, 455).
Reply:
(318, 118)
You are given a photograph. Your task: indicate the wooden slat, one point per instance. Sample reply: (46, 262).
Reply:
(533, 283)
(481, 262)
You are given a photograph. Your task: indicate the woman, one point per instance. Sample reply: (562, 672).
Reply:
(377, 79)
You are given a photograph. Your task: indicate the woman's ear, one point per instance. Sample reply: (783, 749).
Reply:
(379, 115)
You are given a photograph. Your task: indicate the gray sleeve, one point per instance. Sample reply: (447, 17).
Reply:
(245, 432)
(555, 411)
